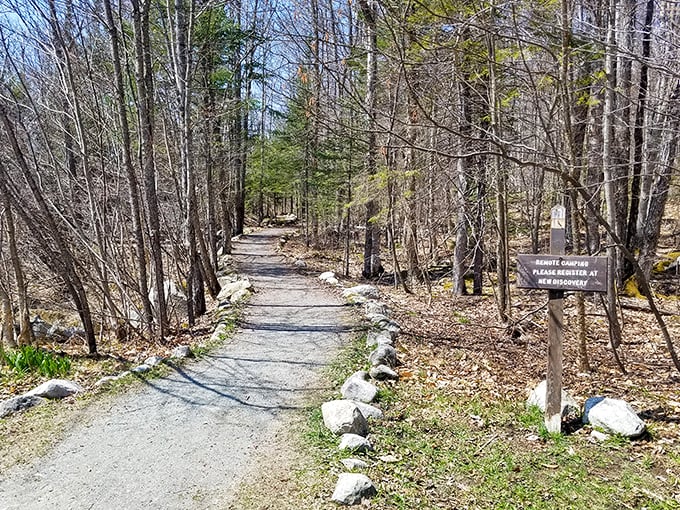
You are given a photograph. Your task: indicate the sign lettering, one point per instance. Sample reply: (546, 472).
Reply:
(562, 272)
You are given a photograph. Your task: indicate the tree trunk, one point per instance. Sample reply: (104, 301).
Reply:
(133, 186)
(144, 83)
(502, 255)
(610, 174)
(25, 336)
(8, 338)
(65, 265)
(649, 236)
(372, 263)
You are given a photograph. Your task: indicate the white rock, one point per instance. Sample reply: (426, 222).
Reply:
(333, 281)
(326, 275)
(392, 328)
(344, 417)
(351, 488)
(300, 264)
(360, 293)
(356, 387)
(597, 437)
(153, 361)
(56, 388)
(377, 318)
(20, 403)
(239, 295)
(537, 398)
(220, 333)
(229, 289)
(615, 416)
(141, 369)
(181, 351)
(383, 355)
(376, 307)
(369, 411)
(355, 443)
(175, 300)
(226, 280)
(378, 337)
(106, 380)
(383, 373)
(354, 464)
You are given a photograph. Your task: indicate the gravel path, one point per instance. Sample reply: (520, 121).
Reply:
(185, 441)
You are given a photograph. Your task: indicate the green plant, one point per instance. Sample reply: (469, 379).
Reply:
(31, 359)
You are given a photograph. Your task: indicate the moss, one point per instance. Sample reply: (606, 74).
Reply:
(666, 261)
(631, 289)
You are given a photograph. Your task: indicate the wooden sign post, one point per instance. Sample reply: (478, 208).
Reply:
(556, 273)
(553, 397)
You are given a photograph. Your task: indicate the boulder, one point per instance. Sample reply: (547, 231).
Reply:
(378, 337)
(376, 307)
(538, 395)
(56, 388)
(384, 324)
(108, 379)
(226, 280)
(597, 437)
(225, 264)
(377, 318)
(111, 378)
(383, 373)
(58, 334)
(360, 294)
(20, 403)
(239, 295)
(391, 327)
(369, 411)
(231, 288)
(355, 443)
(344, 417)
(300, 264)
(384, 354)
(72, 331)
(223, 305)
(285, 219)
(141, 369)
(613, 416)
(356, 387)
(181, 351)
(41, 329)
(175, 300)
(326, 275)
(354, 464)
(333, 281)
(220, 333)
(152, 361)
(351, 488)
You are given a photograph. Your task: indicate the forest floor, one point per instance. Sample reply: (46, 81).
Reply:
(187, 438)
(457, 432)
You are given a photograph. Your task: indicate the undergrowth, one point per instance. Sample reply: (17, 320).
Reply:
(29, 359)
(441, 448)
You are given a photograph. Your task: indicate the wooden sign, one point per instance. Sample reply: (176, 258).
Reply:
(562, 272)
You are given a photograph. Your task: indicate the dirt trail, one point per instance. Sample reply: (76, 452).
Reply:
(185, 441)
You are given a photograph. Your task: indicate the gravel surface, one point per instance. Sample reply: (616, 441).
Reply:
(185, 441)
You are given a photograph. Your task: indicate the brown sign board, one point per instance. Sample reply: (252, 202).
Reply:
(562, 272)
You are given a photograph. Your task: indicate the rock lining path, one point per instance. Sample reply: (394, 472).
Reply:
(185, 441)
